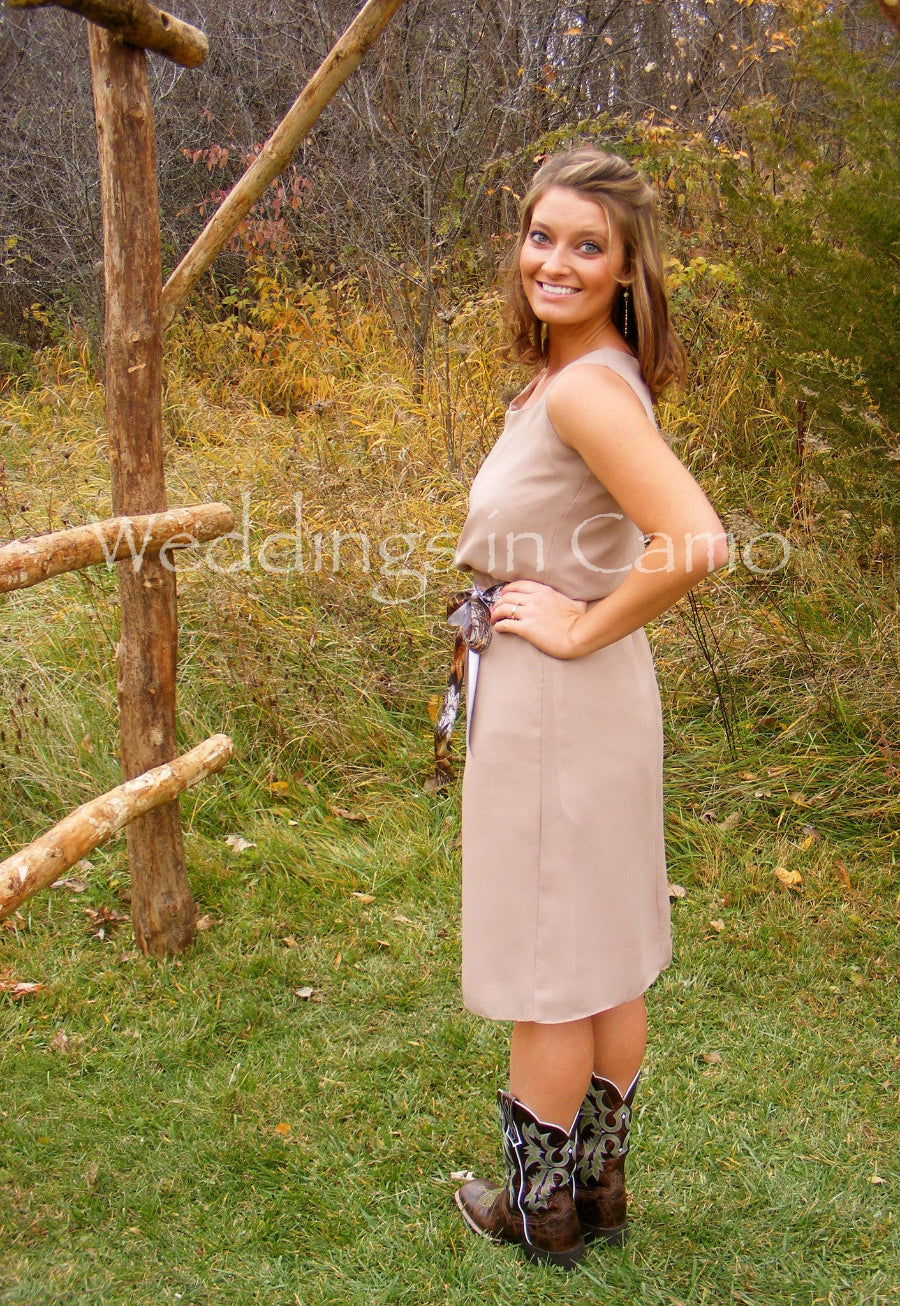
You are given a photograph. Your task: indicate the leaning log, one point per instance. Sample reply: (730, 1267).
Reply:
(139, 23)
(27, 562)
(344, 57)
(90, 825)
(148, 644)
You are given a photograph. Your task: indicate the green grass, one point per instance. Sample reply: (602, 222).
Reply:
(195, 1130)
(195, 1127)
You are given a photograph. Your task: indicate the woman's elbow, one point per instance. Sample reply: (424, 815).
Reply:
(706, 550)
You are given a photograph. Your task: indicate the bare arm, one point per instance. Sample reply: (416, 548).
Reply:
(597, 413)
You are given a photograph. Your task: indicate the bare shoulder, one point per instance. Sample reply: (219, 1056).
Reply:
(591, 406)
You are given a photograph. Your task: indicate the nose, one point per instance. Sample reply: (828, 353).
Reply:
(555, 260)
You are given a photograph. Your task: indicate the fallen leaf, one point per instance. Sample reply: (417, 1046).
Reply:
(730, 821)
(84, 866)
(101, 917)
(283, 1129)
(20, 988)
(708, 816)
(237, 844)
(676, 891)
(279, 787)
(711, 1058)
(305, 993)
(363, 897)
(840, 871)
(718, 926)
(799, 800)
(338, 959)
(60, 1041)
(790, 879)
(289, 941)
(204, 923)
(345, 814)
(464, 1176)
(403, 920)
(73, 886)
(876, 1179)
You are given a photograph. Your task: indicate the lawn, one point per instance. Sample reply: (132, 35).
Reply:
(277, 1115)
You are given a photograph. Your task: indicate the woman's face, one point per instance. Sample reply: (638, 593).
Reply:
(569, 261)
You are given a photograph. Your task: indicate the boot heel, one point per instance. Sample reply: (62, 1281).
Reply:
(561, 1260)
(609, 1237)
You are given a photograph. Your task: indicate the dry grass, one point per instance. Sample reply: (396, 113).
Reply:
(196, 1128)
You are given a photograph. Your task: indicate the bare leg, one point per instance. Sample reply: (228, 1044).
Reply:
(550, 1067)
(620, 1038)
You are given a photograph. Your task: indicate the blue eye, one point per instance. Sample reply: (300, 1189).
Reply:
(537, 237)
(591, 247)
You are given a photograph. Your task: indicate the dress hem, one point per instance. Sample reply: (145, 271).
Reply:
(578, 1015)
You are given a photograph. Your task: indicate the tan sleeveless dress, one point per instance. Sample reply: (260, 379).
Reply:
(565, 905)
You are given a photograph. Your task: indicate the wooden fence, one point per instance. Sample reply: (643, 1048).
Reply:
(138, 309)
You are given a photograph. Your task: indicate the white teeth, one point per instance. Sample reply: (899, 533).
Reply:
(557, 290)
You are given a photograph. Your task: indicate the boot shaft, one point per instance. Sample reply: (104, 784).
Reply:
(604, 1124)
(540, 1157)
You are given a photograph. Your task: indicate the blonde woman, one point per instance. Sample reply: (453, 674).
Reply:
(583, 525)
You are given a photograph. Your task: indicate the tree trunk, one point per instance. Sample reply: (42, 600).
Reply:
(163, 909)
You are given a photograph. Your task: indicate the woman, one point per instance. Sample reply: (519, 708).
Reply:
(565, 905)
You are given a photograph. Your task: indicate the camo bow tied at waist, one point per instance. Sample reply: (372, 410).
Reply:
(470, 613)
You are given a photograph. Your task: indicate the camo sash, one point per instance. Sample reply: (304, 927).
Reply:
(470, 613)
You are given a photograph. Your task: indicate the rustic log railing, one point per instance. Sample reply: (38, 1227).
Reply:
(90, 825)
(139, 23)
(139, 541)
(27, 562)
(137, 311)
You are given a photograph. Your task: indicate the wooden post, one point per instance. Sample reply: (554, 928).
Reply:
(93, 823)
(342, 59)
(163, 909)
(27, 562)
(138, 22)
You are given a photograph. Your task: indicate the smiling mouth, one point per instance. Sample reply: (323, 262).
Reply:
(559, 291)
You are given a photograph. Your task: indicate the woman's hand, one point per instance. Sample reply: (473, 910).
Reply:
(541, 615)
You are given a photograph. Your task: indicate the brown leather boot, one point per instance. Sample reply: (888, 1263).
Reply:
(603, 1126)
(534, 1208)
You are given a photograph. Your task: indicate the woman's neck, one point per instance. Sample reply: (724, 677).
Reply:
(569, 343)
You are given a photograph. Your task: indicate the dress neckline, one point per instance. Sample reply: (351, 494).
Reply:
(516, 406)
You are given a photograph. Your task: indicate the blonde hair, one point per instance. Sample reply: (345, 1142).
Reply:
(630, 209)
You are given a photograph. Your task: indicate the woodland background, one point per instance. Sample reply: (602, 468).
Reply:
(278, 1115)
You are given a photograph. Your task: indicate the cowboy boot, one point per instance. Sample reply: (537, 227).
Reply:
(535, 1208)
(603, 1126)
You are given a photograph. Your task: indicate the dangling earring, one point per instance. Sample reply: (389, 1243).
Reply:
(626, 297)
